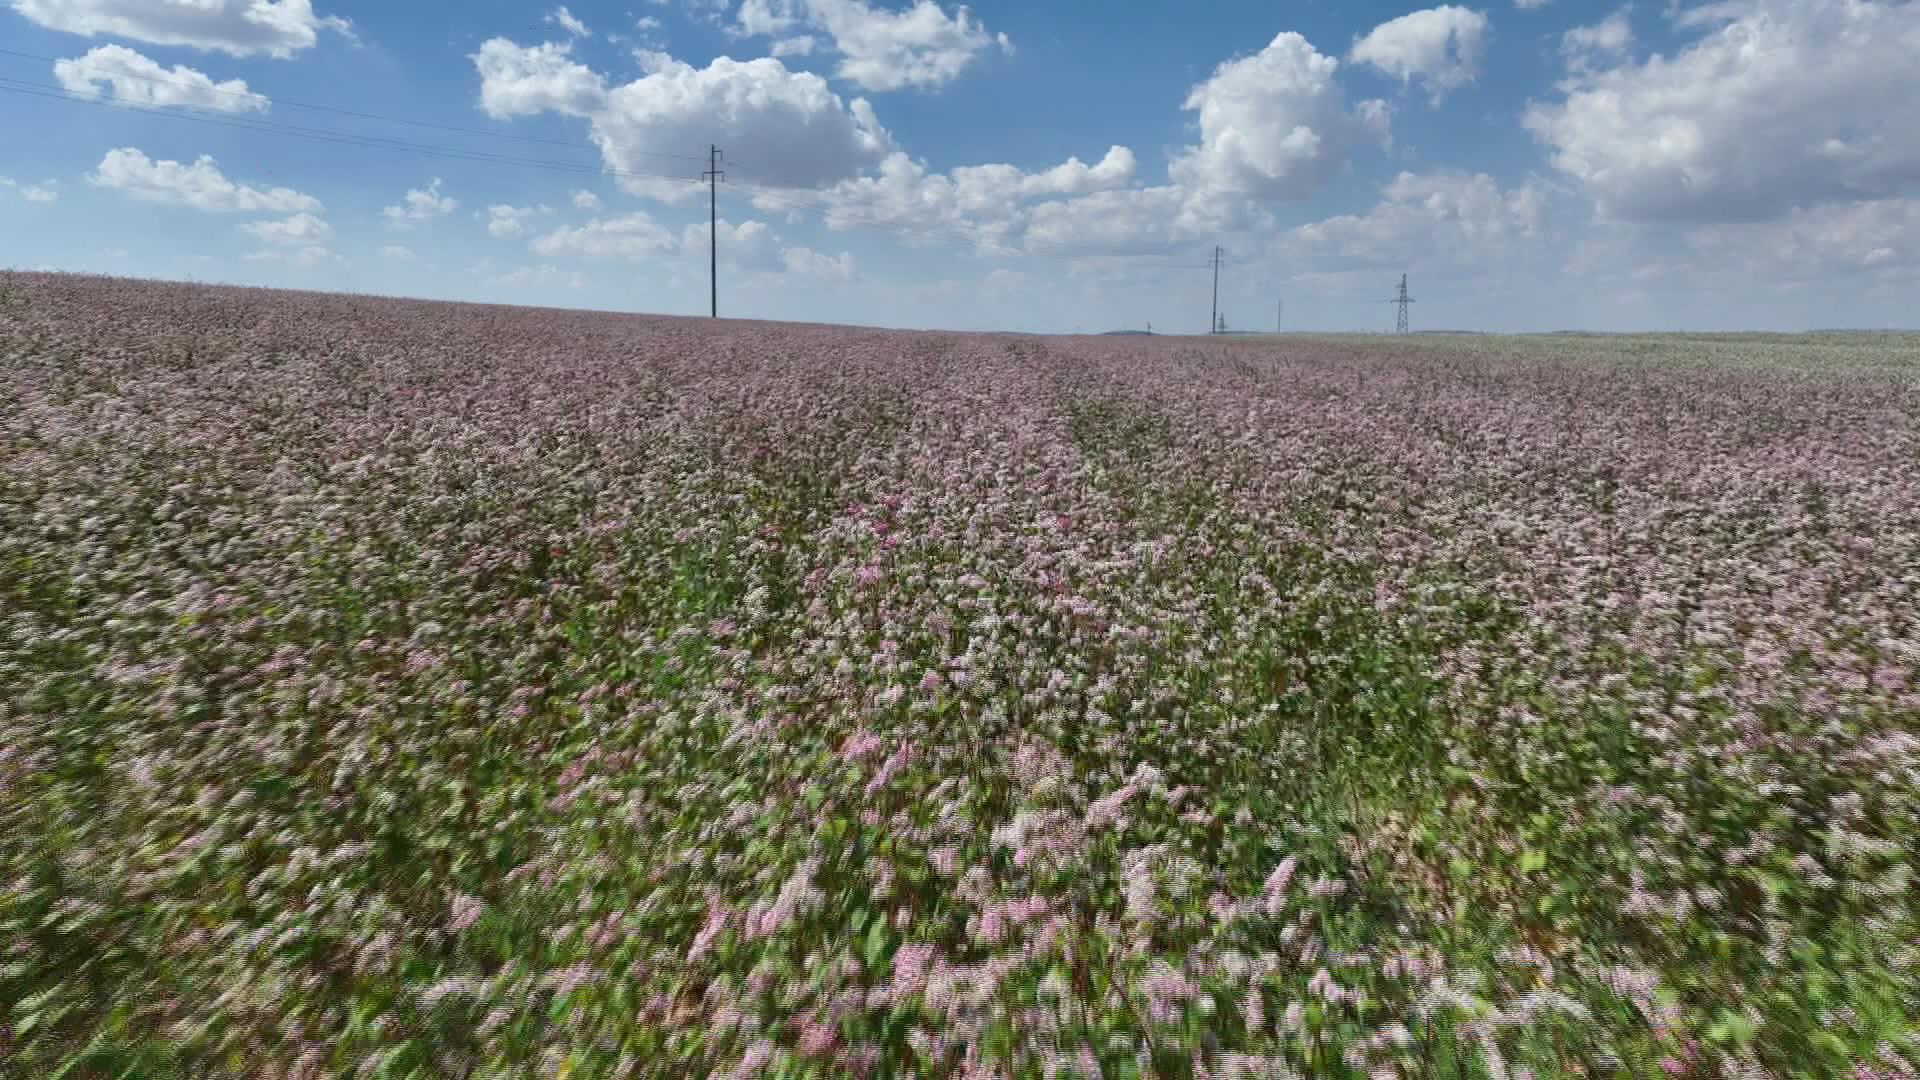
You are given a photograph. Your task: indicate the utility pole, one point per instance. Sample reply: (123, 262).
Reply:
(1213, 322)
(1400, 324)
(1279, 314)
(713, 176)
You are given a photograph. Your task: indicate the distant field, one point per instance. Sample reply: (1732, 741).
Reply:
(410, 690)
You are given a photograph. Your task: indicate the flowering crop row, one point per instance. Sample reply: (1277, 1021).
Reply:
(397, 689)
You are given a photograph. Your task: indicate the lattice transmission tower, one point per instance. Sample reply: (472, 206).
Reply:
(1400, 323)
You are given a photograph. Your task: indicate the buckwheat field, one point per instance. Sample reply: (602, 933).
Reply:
(398, 689)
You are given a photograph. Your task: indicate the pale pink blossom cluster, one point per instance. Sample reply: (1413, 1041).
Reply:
(464, 690)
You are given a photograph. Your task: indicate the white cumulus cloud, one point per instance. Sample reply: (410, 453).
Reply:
(888, 50)
(1441, 47)
(1610, 35)
(542, 276)
(199, 185)
(134, 78)
(304, 255)
(421, 204)
(1780, 104)
(749, 245)
(769, 17)
(567, 21)
(277, 28)
(923, 45)
(1131, 221)
(630, 236)
(810, 263)
(520, 80)
(980, 187)
(1274, 125)
(586, 200)
(34, 193)
(302, 228)
(1818, 243)
(506, 221)
(1457, 218)
(802, 134)
(987, 201)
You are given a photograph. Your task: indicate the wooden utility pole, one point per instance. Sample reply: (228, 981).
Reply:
(713, 176)
(1213, 323)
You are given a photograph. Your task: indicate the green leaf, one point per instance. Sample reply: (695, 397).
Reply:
(1833, 1045)
(1731, 1027)
(1532, 861)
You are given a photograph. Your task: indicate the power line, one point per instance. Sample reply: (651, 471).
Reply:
(335, 137)
(787, 197)
(340, 137)
(220, 118)
(827, 206)
(926, 232)
(248, 95)
(225, 119)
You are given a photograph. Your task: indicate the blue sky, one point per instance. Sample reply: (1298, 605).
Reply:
(1539, 165)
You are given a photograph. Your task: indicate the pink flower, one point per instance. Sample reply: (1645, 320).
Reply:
(945, 860)
(859, 745)
(1166, 989)
(891, 768)
(717, 917)
(466, 912)
(910, 963)
(816, 1038)
(1106, 809)
(1276, 885)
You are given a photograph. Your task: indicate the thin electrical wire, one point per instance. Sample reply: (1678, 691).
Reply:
(199, 88)
(226, 119)
(949, 232)
(937, 232)
(337, 137)
(244, 123)
(784, 197)
(787, 197)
